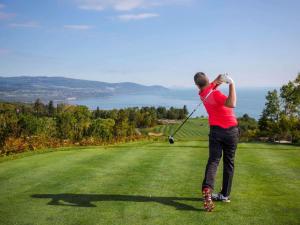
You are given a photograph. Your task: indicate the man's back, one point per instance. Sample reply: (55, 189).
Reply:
(219, 114)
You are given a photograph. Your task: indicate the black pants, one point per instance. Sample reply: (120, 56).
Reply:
(225, 140)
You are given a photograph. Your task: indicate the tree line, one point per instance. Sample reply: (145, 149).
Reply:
(38, 125)
(280, 118)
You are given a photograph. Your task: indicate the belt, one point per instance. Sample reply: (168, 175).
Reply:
(221, 128)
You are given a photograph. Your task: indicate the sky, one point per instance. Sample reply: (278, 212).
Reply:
(162, 42)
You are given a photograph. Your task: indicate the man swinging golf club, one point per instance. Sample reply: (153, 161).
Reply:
(223, 136)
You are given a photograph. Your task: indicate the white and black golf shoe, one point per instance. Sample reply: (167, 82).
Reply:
(220, 197)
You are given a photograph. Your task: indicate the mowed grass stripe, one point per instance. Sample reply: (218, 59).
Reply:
(84, 173)
(129, 182)
(44, 166)
(168, 177)
(72, 169)
(16, 167)
(89, 177)
(286, 164)
(141, 182)
(257, 185)
(265, 189)
(134, 174)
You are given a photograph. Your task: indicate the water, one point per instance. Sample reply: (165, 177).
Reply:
(250, 101)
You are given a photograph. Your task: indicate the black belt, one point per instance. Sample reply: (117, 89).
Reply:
(221, 128)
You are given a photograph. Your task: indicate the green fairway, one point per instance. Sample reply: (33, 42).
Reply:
(148, 183)
(194, 129)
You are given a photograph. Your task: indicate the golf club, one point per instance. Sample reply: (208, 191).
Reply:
(171, 137)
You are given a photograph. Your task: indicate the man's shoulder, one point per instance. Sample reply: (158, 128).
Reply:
(218, 93)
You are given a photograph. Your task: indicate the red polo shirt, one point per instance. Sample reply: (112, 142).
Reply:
(218, 113)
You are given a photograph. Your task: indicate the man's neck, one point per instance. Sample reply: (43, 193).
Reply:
(201, 89)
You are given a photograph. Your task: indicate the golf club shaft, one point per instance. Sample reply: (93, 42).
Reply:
(178, 128)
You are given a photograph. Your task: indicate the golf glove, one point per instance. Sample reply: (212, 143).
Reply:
(226, 79)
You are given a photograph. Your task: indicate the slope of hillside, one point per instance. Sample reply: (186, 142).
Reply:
(28, 88)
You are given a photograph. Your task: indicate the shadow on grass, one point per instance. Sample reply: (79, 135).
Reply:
(85, 200)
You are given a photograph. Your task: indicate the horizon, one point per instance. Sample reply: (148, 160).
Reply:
(151, 42)
(149, 85)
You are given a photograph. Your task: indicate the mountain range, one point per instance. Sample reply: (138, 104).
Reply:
(29, 88)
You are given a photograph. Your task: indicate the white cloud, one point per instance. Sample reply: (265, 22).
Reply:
(4, 15)
(120, 5)
(30, 24)
(4, 51)
(78, 27)
(90, 5)
(124, 5)
(128, 17)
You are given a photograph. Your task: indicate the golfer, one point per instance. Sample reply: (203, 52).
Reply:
(223, 136)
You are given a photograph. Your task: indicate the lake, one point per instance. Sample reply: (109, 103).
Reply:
(250, 101)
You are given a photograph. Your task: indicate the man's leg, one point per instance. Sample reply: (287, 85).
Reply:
(229, 147)
(215, 154)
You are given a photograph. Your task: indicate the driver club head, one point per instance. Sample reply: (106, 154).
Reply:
(171, 140)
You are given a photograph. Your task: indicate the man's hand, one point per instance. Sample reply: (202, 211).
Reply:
(226, 79)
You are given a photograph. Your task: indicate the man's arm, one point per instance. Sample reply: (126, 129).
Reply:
(231, 100)
(218, 80)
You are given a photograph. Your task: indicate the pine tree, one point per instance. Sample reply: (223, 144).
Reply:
(38, 107)
(51, 108)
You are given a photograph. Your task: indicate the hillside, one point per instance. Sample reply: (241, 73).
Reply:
(28, 88)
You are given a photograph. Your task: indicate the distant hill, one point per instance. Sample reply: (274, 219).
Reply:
(28, 88)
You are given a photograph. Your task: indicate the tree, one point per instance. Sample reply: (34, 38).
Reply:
(102, 128)
(82, 122)
(171, 114)
(29, 125)
(289, 98)
(289, 118)
(182, 113)
(161, 112)
(8, 127)
(248, 127)
(38, 107)
(121, 126)
(65, 122)
(97, 113)
(282, 122)
(51, 109)
(268, 122)
(185, 110)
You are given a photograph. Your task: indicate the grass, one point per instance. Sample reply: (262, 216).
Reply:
(148, 183)
(194, 129)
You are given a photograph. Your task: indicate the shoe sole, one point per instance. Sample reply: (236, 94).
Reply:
(207, 202)
(217, 200)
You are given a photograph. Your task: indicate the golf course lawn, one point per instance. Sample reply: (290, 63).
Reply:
(148, 183)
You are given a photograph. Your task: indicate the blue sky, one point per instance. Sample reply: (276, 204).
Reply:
(151, 41)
